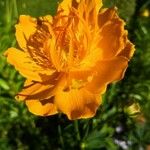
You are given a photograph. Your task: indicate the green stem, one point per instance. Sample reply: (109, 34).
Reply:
(15, 8)
(11, 12)
(8, 12)
(60, 136)
(76, 126)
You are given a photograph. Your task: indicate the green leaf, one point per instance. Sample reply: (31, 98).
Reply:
(4, 84)
(126, 8)
(37, 7)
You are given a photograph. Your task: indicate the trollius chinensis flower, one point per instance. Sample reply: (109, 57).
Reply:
(69, 59)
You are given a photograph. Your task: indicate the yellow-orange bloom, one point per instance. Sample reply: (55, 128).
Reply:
(69, 59)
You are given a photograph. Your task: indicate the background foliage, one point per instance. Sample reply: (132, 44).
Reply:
(123, 120)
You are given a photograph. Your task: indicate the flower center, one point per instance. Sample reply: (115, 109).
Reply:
(70, 41)
(60, 44)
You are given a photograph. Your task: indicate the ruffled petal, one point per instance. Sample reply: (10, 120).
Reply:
(113, 35)
(44, 108)
(105, 15)
(106, 72)
(24, 29)
(112, 40)
(26, 66)
(128, 51)
(77, 103)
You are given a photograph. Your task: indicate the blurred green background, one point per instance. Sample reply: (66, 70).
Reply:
(122, 121)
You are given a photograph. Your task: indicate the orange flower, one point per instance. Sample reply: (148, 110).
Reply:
(69, 59)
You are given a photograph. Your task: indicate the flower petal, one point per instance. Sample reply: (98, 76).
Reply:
(90, 5)
(106, 14)
(24, 29)
(65, 5)
(88, 10)
(128, 51)
(113, 35)
(90, 60)
(41, 90)
(112, 40)
(35, 90)
(44, 108)
(77, 103)
(97, 3)
(106, 72)
(26, 66)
